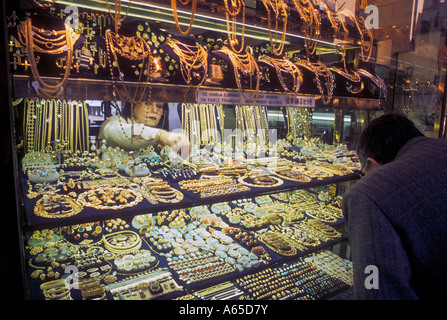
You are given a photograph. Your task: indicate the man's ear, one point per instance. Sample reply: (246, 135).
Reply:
(372, 164)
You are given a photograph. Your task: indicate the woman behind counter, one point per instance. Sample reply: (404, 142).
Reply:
(149, 126)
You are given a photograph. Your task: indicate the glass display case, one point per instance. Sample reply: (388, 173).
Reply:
(272, 116)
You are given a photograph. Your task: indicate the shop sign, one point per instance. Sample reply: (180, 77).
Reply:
(262, 99)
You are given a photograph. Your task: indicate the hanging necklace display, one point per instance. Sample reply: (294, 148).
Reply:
(352, 78)
(284, 66)
(245, 127)
(262, 132)
(116, 15)
(134, 49)
(321, 72)
(311, 23)
(188, 123)
(330, 15)
(29, 126)
(55, 42)
(244, 66)
(365, 45)
(193, 11)
(252, 128)
(193, 61)
(279, 7)
(56, 124)
(199, 122)
(299, 122)
(232, 11)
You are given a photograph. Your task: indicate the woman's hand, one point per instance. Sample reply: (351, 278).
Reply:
(177, 141)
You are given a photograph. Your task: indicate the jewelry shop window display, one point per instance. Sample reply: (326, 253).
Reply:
(202, 241)
(139, 219)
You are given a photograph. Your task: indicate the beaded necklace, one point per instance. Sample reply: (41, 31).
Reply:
(116, 16)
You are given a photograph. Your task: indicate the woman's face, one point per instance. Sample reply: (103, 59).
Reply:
(148, 113)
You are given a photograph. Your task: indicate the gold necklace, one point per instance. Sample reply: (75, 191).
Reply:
(243, 65)
(27, 31)
(285, 65)
(116, 16)
(311, 24)
(192, 59)
(134, 49)
(298, 122)
(193, 11)
(279, 7)
(330, 16)
(368, 44)
(233, 11)
(359, 21)
(320, 70)
(186, 120)
(30, 125)
(45, 5)
(278, 243)
(350, 75)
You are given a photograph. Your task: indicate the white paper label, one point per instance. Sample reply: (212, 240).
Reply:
(262, 99)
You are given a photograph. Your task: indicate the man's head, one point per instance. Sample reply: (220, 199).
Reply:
(382, 139)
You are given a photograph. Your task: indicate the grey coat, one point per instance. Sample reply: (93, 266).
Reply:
(397, 222)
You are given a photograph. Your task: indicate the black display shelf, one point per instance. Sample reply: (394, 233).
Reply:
(88, 214)
(99, 89)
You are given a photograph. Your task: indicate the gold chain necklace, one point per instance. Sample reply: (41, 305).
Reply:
(311, 24)
(350, 75)
(320, 70)
(45, 5)
(29, 126)
(116, 16)
(285, 65)
(192, 59)
(243, 65)
(330, 16)
(193, 11)
(279, 7)
(135, 49)
(359, 21)
(233, 12)
(27, 31)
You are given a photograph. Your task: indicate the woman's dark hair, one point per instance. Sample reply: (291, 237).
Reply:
(384, 137)
(126, 113)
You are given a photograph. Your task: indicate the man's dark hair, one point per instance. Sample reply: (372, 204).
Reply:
(384, 137)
